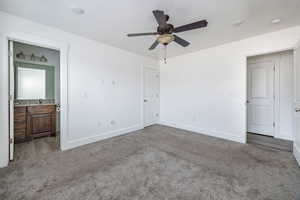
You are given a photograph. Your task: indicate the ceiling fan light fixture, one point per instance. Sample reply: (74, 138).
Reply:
(165, 39)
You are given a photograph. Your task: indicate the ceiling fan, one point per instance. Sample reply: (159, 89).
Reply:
(166, 31)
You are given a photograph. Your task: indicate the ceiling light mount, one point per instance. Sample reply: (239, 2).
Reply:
(276, 21)
(77, 10)
(238, 22)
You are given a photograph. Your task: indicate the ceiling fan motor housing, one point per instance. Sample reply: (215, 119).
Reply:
(165, 29)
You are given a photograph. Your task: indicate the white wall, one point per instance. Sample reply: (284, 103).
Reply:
(208, 87)
(104, 85)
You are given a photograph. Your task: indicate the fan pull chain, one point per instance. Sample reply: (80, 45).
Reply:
(165, 57)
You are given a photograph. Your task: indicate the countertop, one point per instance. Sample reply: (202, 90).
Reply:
(24, 105)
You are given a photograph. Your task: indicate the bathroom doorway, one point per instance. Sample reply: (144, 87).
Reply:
(34, 103)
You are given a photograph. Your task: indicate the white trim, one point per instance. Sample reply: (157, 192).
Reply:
(96, 138)
(63, 48)
(296, 50)
(11, 99)
(296, 151)
(219, 134)
(297, 45)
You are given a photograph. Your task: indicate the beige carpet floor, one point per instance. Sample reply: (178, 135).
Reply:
(155, 163)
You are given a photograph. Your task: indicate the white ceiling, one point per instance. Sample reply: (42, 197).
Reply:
(109, 21)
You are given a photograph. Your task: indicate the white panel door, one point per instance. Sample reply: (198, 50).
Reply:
(11, 100)
(261, 98)
(297, 104)
(151, 96)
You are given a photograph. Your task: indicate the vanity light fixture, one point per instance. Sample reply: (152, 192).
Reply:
(32, 57)
(43, 59)
(20, 55)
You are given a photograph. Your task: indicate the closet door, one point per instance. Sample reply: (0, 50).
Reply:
(260, 98)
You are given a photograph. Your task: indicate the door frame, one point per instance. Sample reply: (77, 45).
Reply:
(142, 117)
(63, 49)
(11, 95)
(296, 149)
(246, 56)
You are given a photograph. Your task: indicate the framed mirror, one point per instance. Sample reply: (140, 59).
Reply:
(33, 81)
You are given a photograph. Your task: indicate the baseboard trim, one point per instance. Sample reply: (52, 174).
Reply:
(284, 136)
(218, 134)
(96, 138)
(296, 151)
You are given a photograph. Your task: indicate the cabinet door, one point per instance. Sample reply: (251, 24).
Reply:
(41, 123)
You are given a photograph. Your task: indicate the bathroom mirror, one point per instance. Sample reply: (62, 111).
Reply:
(34, 81)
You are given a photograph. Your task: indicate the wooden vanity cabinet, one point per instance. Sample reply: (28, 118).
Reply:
(20, 124)
(34, 121)
(41, 120)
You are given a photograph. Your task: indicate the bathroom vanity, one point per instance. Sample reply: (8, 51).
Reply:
(32, 121)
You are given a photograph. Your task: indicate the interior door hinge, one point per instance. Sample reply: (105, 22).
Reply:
(11, 140)
(10, 53)
(273, 124)
(274, 68)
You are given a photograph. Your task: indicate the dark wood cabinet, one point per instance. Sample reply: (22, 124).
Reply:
(34, 121)
(20, 124)
(41, 120)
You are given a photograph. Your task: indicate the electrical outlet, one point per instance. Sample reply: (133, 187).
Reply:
(85, 95)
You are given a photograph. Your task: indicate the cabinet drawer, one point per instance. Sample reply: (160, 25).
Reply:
(20, 134)
(20, 125)
(19, 113)
(41, 109)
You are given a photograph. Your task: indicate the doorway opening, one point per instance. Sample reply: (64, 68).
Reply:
(34, 103)
(270, 92)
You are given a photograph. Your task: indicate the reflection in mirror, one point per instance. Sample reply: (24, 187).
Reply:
(31, 83)
(34, 81)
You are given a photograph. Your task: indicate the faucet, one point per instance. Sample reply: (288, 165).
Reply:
(40, 101)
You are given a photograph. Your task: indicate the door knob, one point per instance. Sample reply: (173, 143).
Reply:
(297, 109)
(145, 100)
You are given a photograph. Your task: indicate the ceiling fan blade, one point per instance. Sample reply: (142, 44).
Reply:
(154, 45)
(188, 27)
(141, 34)
(181, 41)
(160, 17)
